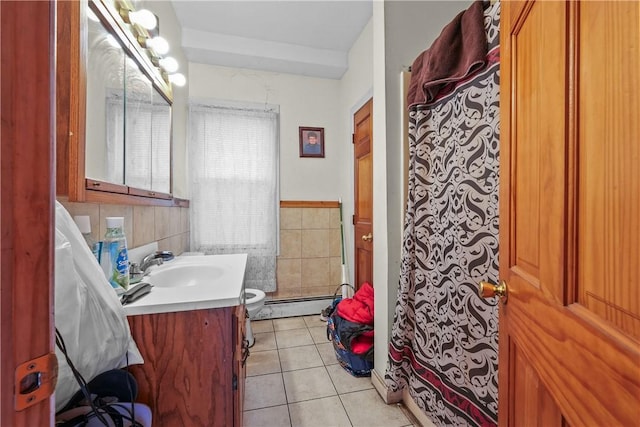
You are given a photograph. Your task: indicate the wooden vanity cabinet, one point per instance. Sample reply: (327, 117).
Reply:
(194, 368)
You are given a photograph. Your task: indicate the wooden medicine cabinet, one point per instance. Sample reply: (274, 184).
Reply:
(114, 121)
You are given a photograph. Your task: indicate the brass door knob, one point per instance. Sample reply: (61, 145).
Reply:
(367, 237)
(488, 290)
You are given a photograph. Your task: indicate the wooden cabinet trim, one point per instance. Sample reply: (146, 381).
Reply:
(308, 204)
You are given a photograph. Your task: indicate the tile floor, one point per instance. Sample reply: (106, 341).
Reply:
(294, 380)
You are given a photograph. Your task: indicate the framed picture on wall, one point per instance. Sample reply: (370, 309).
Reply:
(311, 142)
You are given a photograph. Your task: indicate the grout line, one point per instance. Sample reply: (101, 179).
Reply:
(324, 365)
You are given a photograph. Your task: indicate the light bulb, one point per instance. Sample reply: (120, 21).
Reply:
(169, 64)
(177, 79)
(144, 17)
(159, 45)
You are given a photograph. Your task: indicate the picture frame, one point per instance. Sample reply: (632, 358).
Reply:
(311, 142)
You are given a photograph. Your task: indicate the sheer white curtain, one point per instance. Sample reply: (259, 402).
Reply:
(233, 167)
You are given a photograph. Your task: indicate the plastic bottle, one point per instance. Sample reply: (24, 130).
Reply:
(84, 225)
(116, 257)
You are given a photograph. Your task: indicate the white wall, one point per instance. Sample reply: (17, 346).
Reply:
(402, 29)
(303, 101)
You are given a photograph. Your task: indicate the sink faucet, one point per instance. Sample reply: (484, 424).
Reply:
(152, 259)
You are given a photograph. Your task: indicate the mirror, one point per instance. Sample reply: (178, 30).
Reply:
(128, 121)
(104, 143)
(138, 113)
(161, 144)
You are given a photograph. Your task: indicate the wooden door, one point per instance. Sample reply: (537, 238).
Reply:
(363, 200)
(570, 214)
(27, 137)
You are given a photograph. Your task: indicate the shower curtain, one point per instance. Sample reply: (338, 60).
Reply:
(444, 341)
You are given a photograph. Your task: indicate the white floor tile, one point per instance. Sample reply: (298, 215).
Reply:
(344, 382)
(264, 341)
(326, 412)
(263, 362)
(319, 334)
(275, 416)
(293, 338)
(289, 323)
(314, 321)
(264, 391)
(260, 326)
(307, 384)
(299, 358)
(327, 353)
(366, 408)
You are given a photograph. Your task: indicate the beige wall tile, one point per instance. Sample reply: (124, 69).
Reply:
(290, 243)
(334, 217)
(285, 294)
(175, 225)
(143, 225)
(186, 239)
(117, 210)
(315, 243)
(140, 223)
(163, 222)
(316, 291)
(335, 267)
(184, 219)
(91, 209)
(314, 218)
(290, 218)
(316, 272)
(173, 244)
(335, 248)
(288, 273)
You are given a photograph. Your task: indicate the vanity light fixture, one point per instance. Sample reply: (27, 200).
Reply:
(169, 64)
(158, 44)
(142, 17)
(145, 29)
(178, 79)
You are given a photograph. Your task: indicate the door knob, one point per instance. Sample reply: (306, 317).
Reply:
(367, 237)
(488, 290)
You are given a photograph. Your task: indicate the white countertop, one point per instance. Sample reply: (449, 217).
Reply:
(222, 291)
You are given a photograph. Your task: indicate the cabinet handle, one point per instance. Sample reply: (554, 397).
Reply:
(96, 184)
(245, 350)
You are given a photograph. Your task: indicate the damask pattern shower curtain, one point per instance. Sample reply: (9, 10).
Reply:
(444, 342)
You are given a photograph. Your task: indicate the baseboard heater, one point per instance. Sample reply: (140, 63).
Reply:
(307, 306)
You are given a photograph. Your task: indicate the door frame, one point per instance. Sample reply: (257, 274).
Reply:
(27, 81)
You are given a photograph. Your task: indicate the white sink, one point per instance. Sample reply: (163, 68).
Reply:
(192, 283)
(180, 275)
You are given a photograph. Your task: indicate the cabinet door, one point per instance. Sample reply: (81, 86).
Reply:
(187, 377)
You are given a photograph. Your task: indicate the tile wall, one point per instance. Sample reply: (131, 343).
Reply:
(169, 226)
(308, 265)
(309, 262)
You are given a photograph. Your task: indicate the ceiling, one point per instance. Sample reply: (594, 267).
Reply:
(310, 38)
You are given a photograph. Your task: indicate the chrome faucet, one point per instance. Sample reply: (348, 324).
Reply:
(152, 259)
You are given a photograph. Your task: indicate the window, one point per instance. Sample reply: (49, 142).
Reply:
(233, 167)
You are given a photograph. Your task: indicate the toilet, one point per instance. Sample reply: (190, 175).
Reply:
(254, 301)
